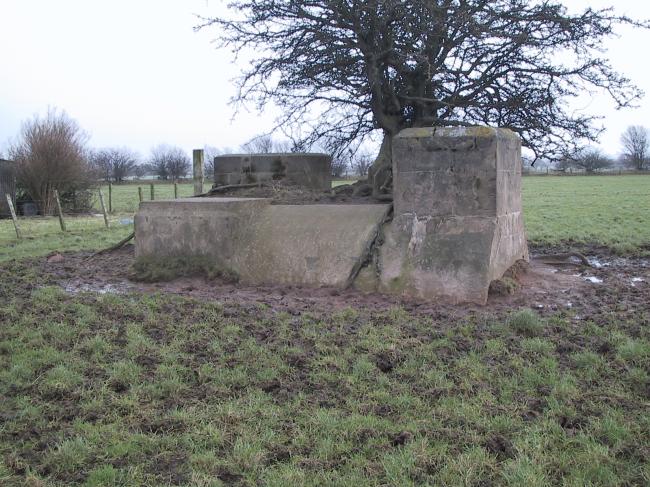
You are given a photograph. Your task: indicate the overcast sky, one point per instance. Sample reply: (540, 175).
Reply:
(134, 73)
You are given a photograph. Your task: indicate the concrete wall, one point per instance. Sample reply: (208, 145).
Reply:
(308, 170)
(308, 245)
(458, 220)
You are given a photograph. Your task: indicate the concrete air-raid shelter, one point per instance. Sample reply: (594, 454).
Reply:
(455, 224)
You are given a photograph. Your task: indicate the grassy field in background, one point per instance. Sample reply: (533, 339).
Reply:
(612, 211)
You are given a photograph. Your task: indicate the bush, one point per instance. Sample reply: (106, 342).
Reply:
(50, 155)
(526, 322)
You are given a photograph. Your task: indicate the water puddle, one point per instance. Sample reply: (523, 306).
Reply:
(594, 279)
(99, 288)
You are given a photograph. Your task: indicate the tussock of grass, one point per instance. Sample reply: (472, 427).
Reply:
(526, 322)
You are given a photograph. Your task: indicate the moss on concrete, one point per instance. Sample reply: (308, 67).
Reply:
(153, 269)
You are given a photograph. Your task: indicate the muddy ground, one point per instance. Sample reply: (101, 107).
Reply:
(611, 281)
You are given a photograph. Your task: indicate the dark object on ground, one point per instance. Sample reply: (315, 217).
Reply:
(283, 193)
(117, 246)
(563, 259)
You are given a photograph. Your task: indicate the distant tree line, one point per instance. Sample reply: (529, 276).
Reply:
(635, 154)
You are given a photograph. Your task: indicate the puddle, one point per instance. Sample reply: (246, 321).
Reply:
(100, 288)
(594, 279)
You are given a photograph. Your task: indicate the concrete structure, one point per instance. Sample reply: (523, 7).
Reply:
(457, 223)
(308, 170)
(308, 245)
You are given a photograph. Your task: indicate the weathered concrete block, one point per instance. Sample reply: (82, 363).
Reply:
(307, 170)
(458, 221)
(205, 227)
(308, 245)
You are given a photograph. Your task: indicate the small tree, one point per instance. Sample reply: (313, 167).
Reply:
(591, 160)
(169, 162)
(50, 155)
(361, 162)
(209, 153)
(636, 146)
(265, 144)
(339, 165)
(115, 164)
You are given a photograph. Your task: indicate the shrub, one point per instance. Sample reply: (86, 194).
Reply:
(50, 155)
(526, 322)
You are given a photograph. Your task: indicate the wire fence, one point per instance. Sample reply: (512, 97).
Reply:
(546, 171)
(103, 206)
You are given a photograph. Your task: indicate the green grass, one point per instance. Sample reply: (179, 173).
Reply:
(105, 390)
(613, 211)
(125, 196)
(610, 211)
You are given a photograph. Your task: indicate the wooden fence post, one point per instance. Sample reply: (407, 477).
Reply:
(140, 193)
(13, 216)
(151, 190)
(110, 197)
(59, 210)
(101, 201)
(175, 190)
(198, 171)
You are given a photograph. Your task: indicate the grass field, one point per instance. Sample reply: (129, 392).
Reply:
(158, 389)
(613, 211)
(106, 390)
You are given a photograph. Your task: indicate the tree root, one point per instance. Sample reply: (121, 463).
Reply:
(370, 247)
(562, 259)
(117, 246)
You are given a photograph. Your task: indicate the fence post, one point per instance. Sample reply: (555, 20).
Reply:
(110, 197)
(151, 190)
(13, 215)
(175, 190)
(59, 210)
(198, 171)
(140, 193)
(101, 201)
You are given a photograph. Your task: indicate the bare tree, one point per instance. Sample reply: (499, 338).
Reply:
(50, 155)
(361, 162)
(341, 69)
(209, 153)
(169, 162)
(265, 144)
(636, 147)
(563, 165)
(592, 159)
(340, 165)
(262, 144)
(115, 163)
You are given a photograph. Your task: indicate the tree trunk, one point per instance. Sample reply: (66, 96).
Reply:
(380, 174)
